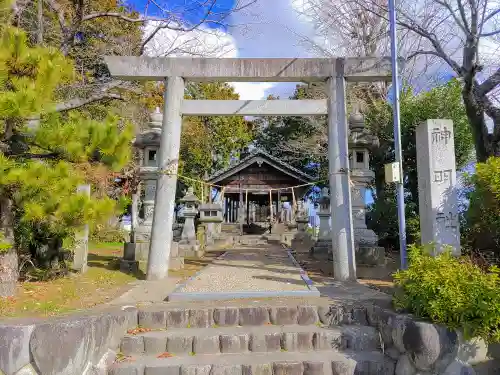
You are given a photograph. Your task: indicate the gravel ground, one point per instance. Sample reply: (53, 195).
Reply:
(265, 269)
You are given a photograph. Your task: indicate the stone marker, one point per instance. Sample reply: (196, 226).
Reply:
(82, 239)
(437, 181)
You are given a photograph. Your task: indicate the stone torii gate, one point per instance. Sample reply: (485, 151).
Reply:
(175, 71)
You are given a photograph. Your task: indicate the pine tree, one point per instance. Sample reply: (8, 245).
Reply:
(42, 162)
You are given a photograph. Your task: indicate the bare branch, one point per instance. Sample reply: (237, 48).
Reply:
(492, 33)
(59, 12)
(489, 84)
(80, 102)
(491, 15)
(420, 53)
(461, 23)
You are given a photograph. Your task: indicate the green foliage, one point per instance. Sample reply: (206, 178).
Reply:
(28, 76)
(295, 140)
(103, 233)
(79, 139)
(4, 246)
(451, 291)
(482, 219)
(441, 102)
(41, 166)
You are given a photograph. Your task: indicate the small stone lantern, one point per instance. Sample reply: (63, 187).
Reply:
(302, 241)
(189, 245)
(360, 142)
(324, 215)
(324, 243)
(210, 216)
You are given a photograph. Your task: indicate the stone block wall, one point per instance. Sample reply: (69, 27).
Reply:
(420, 347)
(83, 344)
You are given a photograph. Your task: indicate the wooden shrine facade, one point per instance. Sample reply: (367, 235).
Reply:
(249, 188)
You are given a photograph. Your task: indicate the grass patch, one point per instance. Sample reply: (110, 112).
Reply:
(100, 284)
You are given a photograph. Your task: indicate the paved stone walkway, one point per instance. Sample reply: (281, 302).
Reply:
(265, 271)
(147, 291)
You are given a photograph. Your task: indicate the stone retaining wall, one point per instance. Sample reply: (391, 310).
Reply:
(423, 348)
(73, 345)
(86, 344)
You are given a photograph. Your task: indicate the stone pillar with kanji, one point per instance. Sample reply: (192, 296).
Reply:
(361, 140)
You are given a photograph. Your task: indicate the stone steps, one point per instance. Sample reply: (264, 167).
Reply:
(231, 314)
(269, 338)
(279, 363)
(253, 337)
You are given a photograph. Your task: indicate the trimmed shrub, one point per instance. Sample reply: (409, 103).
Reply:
(482, 220)
(450, 291)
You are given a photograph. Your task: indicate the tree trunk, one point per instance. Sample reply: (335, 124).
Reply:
(477, 122)
(9, 267)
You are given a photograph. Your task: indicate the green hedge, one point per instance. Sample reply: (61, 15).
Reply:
(450, 291)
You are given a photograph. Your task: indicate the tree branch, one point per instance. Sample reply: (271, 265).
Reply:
(80, 102)
(117, 15)
(420, 53)
(489, 84)
(492, 33)
(462, 25)
(59, 11)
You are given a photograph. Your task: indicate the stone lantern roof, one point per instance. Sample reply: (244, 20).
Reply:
(151, 137)
(359, 135)
(325, 196)
(190, 197)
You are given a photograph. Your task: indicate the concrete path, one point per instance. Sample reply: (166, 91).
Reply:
(247, 272)
(147, 291)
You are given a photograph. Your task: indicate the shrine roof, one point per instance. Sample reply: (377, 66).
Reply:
(256, 156)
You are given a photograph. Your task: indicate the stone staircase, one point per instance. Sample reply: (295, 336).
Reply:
(252, 339)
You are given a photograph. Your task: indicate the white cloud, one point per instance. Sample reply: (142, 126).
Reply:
(252, 91)
(202, 42)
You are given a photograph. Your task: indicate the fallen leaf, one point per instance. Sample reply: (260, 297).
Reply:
(165, 355)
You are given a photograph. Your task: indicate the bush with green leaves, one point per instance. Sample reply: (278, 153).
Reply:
(482, 219)
(451, 291)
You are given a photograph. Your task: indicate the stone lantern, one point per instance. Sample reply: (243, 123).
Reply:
(360, 142)
(302, 240)
(148, 144)
(210, 216)
(324, 243)
(189, 245)
(324, 215)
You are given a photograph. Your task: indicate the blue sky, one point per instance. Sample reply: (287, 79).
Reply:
(194, 15)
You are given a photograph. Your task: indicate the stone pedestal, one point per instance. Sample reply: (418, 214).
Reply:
(148, 175)
(136, 252)
(129, 264)
(302, 241)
